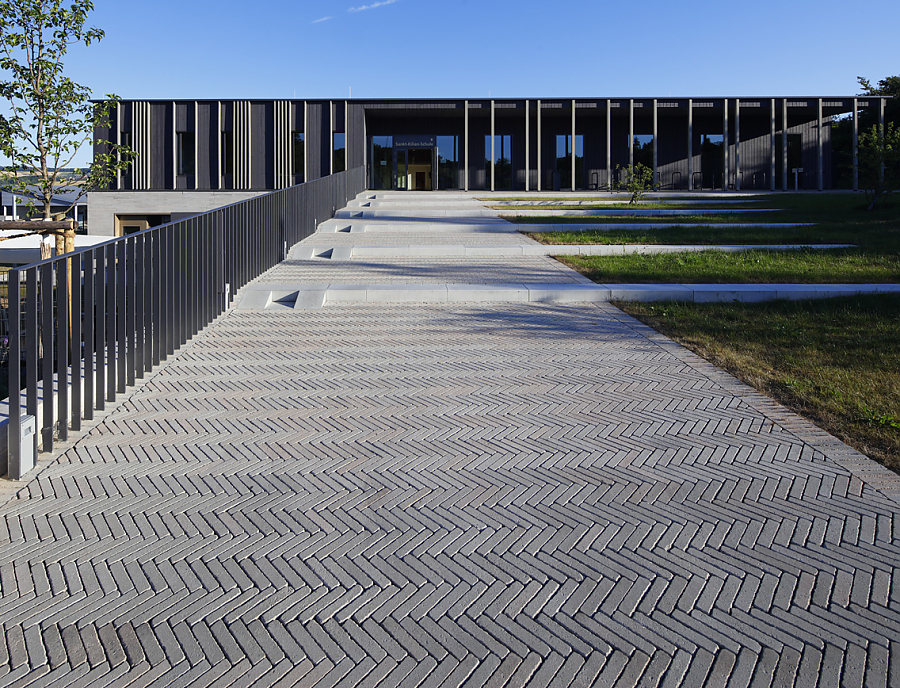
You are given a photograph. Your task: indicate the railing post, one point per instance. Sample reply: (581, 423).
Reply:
(89, 328)
(47, 341)
(129, 300)
(32, 348)
(122, 308)
(14, 429)
(111, 305)
(138, 291)
(77, 352)
(62, 347)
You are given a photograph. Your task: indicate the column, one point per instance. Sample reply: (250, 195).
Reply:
(219, 144)
(305, 143)
(881, 133)
(118, 140)
(690, 144)
(820, 173)
(784, 160)
(726, 166)
(631, 133)
(330, 137)
(527, 151)
(737, 144)
(493, 154)
(772, 145)
(466, 144)
(609, 144)
(174, 145)
(655, 147)
(539, 175)
(855, 145)
(573, 145)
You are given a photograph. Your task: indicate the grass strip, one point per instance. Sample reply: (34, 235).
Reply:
(706, 234)
(802, 266)
(833, 361)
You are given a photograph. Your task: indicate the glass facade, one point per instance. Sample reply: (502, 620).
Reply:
(339, 162)
(712, 161)
(643, 150)
(299, 153)
(503, 172)
(564, 160)
(186, 151)
(448, 162)
(381, 149)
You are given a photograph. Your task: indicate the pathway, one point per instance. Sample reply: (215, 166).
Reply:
(518, 494)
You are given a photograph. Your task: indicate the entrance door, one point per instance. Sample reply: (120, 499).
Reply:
(415, 169)
(400, 170)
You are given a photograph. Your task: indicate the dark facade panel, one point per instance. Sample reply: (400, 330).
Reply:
(357, 132)
(315, 114)
(162, 165)
(262, 145)
(208, 145)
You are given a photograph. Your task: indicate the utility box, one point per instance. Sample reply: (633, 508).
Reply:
(26, 444)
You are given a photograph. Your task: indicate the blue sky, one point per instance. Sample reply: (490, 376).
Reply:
(481, 48)
(476, 48)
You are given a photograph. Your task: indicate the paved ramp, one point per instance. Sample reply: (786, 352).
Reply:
(447, 495)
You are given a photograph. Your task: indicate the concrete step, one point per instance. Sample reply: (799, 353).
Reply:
(309, 252)
(287, 297)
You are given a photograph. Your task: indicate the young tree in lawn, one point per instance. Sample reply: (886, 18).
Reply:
(638, 180)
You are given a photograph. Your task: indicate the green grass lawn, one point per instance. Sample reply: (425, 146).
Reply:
(842, 220)
(839, 218)
(805, 266)
(711, 234)
(834, 361)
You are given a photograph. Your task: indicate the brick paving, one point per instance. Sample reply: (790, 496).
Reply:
(447, 495)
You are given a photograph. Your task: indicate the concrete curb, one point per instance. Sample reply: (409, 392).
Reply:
(304, 296)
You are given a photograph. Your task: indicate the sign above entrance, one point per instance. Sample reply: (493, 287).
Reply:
(415, 142)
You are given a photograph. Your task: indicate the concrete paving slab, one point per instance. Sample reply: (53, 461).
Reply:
(413, 293)
(747, 293)
(346, 292)
(563, 293)
(309, 298)
(649, 292)
(475, 293)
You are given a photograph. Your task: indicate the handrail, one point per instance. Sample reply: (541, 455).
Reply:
(136, 299)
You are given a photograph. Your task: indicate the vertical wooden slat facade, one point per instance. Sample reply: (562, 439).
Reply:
(756, 133)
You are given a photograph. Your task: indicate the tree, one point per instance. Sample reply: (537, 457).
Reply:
(879, 162)
(890, 87)
(638, 180)
(50, 116)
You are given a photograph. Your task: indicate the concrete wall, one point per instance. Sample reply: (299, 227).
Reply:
(103, 206)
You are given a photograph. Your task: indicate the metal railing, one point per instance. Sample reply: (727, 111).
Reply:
(89, 323)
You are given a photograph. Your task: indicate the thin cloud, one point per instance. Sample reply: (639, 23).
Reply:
(363, 8)
(319, 21)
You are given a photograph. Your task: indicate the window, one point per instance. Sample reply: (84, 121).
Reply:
(448, 162)
(564, 160)
(712, 161)
(381, 150)
(299, 139)
(502, 162)
(643, 150)
(227, 152)
(185, 149)
(339, 162)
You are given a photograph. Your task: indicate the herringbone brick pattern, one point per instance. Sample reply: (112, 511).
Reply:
(531, 495)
